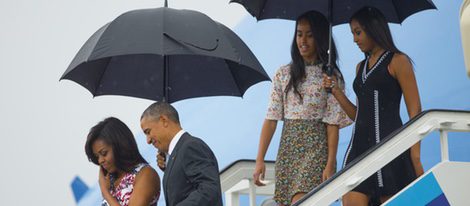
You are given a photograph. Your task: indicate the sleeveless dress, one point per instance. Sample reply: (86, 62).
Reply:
(303, 149)
(124, 190)
(378, 114)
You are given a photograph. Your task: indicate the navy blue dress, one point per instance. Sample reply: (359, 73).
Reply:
(378, 114)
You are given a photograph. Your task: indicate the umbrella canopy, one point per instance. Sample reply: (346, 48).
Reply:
(165, 54)
(337, 11)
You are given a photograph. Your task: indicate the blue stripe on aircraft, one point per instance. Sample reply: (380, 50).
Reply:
(421, 193)
(440, 200)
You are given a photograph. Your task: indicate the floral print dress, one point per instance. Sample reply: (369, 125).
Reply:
(124, 190)
(303, 149)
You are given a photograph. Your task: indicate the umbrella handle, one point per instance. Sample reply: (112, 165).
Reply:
(329, 69)
(329, 72)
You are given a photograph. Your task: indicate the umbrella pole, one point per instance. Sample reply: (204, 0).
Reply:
(166, 66)
(329, 67)
(165, 71)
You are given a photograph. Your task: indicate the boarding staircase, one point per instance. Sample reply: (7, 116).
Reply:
(444, 184)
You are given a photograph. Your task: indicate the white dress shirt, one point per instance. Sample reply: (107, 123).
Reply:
(175, 140)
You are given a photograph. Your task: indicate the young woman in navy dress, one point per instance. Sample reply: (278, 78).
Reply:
(383, 77)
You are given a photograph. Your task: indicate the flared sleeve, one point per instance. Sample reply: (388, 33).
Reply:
(276, 99)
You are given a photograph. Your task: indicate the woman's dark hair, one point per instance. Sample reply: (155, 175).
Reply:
(320, 32)
(116, 134)
(376, 27)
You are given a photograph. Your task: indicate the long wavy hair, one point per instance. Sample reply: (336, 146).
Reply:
(320, 32)
(116, 134)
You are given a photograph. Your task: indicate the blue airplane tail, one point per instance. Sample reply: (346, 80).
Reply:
(79, 188)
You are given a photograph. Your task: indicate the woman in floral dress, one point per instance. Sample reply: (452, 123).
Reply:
(312, 117)
(125, 178)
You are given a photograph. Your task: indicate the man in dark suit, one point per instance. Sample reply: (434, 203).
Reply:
(191, 174)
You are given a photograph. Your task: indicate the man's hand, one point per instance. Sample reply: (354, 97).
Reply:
(161, 160)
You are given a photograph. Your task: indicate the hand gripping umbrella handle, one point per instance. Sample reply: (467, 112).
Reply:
(329, 67)
(329, 72)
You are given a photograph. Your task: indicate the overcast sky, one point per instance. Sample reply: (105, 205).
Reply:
(44, 122)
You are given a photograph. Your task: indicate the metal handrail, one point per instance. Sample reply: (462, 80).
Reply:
(391, 147)
(237, 178)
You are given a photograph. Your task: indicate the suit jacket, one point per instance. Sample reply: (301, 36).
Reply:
(192, 175)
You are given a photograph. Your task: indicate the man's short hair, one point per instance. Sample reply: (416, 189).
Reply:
(155, 110)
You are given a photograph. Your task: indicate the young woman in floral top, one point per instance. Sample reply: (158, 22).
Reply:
(312, 117)
(125, 177)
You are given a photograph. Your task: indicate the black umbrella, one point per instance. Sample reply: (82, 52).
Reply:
(165, 54)
(336, 11)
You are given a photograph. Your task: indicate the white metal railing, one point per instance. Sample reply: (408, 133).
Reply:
(395, 144)
(237, 179)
